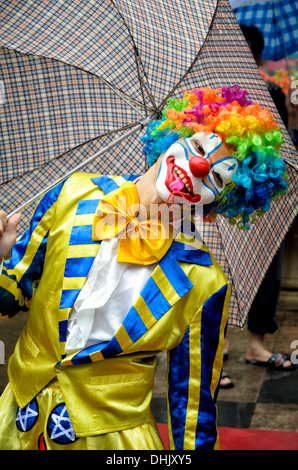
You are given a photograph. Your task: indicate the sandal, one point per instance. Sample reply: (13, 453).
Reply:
(276, 362)
(229, 384)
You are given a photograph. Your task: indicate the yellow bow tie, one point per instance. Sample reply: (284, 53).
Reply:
(143, 242)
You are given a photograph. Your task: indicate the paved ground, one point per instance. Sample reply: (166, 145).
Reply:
(261, 399)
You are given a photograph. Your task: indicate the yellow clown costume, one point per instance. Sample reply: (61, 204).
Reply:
(98, 396)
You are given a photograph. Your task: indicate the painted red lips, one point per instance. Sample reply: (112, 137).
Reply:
(170, 178)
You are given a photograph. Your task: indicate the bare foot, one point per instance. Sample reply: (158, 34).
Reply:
(256, 351)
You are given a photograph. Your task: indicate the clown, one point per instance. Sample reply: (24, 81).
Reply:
(103, 303)
(199, 167)
(238, 139)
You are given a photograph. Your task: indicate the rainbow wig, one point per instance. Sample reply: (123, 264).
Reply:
(247, 128)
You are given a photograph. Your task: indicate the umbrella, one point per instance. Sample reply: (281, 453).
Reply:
(80, 76)
(74, 77)
(276, 19)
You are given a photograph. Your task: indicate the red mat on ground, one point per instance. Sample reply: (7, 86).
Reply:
(247, 439)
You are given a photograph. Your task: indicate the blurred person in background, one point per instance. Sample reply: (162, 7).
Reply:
(262, 315)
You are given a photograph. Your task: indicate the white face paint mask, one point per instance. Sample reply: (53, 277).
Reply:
(199, 167)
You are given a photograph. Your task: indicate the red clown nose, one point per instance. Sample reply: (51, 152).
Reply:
(199, 167)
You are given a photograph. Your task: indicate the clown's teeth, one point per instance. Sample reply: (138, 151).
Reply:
(184, 180)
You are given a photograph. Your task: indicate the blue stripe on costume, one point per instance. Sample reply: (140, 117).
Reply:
(78, 267)
(182, 253)
(206, 433)
(81, 235)
(63, 331)
(154, 298)
(175, 273)
(107, 348)
(178, 381)
(34, 271)
(111, 349)
(88, 206)
(107, 184)
(130, 177)
(44, 205)
(134, 325)
(22, 281)
(69, 297)
(83, 357)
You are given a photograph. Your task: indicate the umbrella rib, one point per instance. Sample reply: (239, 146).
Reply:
(142, 83)
(137, 59)
(160, 107)
(127, 100)
(139, 76)
(139, 126)
(121, 94)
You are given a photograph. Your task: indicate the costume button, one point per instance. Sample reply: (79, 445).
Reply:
(27, 416)
(60, 429)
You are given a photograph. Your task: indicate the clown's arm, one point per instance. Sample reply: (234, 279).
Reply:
(194, 369)
(21, 273)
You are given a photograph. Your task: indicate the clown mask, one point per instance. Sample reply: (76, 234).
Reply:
(195, 169)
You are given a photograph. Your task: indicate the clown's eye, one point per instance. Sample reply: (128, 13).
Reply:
(197, 146)
(218, 179)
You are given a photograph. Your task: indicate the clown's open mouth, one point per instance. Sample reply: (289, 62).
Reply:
(177, 180)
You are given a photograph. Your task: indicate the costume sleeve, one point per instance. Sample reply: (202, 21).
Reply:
(21, 273)
(194, 369)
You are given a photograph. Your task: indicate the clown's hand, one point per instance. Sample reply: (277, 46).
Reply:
(8, 233)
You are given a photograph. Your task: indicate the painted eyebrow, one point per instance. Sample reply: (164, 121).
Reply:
(188, 146)
(215, 148)
(222, 160)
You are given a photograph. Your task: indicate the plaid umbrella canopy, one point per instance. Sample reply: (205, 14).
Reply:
(78, 75)
(276, 19)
